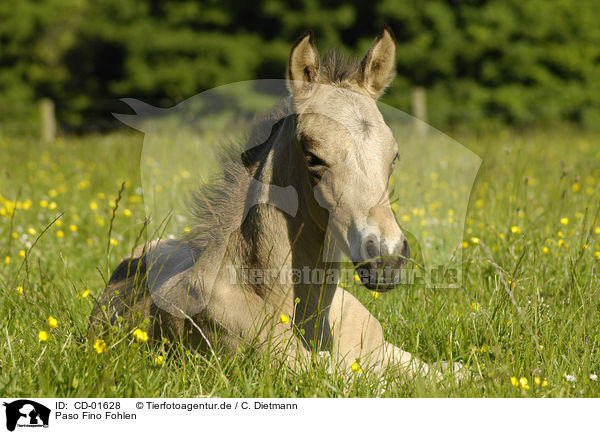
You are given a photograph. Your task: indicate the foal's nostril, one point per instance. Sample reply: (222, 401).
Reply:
(372, 249)
(405, 249)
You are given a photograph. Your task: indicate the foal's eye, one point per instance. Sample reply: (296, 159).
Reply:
(312, 160)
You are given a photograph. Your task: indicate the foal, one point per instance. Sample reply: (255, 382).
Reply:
(317, 188)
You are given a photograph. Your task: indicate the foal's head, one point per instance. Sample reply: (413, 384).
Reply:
(350, 154)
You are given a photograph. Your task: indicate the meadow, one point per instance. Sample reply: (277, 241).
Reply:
(525, 321)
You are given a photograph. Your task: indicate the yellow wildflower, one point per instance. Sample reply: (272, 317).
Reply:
(99, 346)
(85, 293)
(474, 307)
(52, 206)
(93, 206)
(60, 234)
(544, 383)
(537, 380)
(356, 367)
(22, 253)
(43, 336)
(514, 381)
(127, 212)
(283, 319)
(19, 289)
(158, 360)
(31, 231)
(475, 240)
(375, 294)
(544, 249)
(73, 228)
(52, 322)
(44, 203)
(6, 260)
(515, 229)
(564, 221)
(140, 336)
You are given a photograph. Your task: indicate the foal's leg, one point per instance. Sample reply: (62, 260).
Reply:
(357, 335)
(398, 358)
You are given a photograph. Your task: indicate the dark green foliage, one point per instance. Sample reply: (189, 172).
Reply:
(485, 61)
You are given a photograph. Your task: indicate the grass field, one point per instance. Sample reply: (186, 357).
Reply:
(526, 321)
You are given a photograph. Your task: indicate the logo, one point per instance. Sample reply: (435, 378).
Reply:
(26, 413)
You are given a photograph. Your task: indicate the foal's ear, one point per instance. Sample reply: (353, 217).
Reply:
(378, 67)
(303, 66)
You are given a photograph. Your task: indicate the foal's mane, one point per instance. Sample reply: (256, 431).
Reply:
(216, 205)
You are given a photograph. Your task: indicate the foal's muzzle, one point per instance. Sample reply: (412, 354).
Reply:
(379, 271)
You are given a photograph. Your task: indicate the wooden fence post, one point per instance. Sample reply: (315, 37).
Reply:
(48, 120)
(419, 108)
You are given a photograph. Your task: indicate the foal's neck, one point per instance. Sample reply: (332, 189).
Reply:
(273, 237)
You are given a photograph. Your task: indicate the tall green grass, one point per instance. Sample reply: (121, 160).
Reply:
(528, 308)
